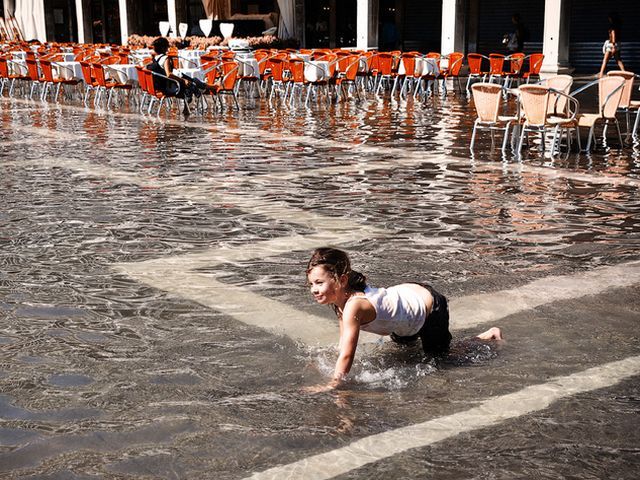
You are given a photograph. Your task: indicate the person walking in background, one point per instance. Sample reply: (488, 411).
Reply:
(611, 47)
(514, 41)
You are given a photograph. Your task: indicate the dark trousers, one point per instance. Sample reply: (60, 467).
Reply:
(434, 334)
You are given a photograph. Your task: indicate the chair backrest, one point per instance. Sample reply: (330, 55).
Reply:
(628, 77)
(385, 63)
(211, 71)
(455, 63)
(32, 69)
(229, 75)
(87, 74)
(487, 98)
(277, 67)
(373, 63)
(609, 95)
(98, 72)
(562, 83)
(409, 62)
(142, 78)
(296, 67)
(47, 70)
(534, 100)
(4, 68)
(351, 72)
(535, 63)
(496, 63)
(516, 63)
(148, 79)
(475, 63)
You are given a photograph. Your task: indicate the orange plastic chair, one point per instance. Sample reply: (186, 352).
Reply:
(34, 75)
(349, 74)
(516, 62)
(385, 69)
(535, 64)
(453, 69)
(5, 76)
(106, 85)
(496, 66)
(50, 80)
(475, 68)
(90, 82)
(228, 81)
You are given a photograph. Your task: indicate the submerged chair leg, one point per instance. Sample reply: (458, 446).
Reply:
(635, 124)
(473, 134)
(619, 135)
(506, 136)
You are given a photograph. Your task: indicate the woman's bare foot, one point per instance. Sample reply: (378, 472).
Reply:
(494, 333)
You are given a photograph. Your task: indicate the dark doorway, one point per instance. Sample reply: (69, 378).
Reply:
(60, 20)
(317, 19)
(105, 21)
(144, 16)
(330, 23)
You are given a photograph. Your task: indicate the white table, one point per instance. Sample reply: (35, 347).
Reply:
(316, 70)
(190, 58)
(302, 56)
(362, 65)
(68, 70)
(248, 67)
(424, 66)
(68, 56)
(18, 67)
(122, 73)
(191, 72)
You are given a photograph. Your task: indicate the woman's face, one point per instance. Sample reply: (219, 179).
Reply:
(324, 287)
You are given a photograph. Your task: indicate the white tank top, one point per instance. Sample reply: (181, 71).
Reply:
(399, 310)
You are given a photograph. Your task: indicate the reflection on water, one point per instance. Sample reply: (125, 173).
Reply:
(102, 375)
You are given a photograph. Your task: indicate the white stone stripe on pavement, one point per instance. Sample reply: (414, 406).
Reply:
(490, 412)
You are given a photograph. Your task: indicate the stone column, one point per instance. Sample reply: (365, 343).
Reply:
(124, 21)
(453, 13)
(80, 20)
(173, 18)
(367, 25)
(556, 37)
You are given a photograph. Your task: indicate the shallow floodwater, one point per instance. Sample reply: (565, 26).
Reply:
(105, 376)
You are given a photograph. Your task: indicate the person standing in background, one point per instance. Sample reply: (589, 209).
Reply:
(611, 47)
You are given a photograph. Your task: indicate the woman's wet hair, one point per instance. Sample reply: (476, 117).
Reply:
(337, 263)
(160, 45)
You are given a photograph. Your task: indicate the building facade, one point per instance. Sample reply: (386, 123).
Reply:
(569, 32)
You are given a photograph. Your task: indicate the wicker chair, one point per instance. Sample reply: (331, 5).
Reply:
(609, 96)
(627, 106)
(534, 101)
(487, 98)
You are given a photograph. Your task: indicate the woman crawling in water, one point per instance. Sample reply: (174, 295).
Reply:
(406, 312)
